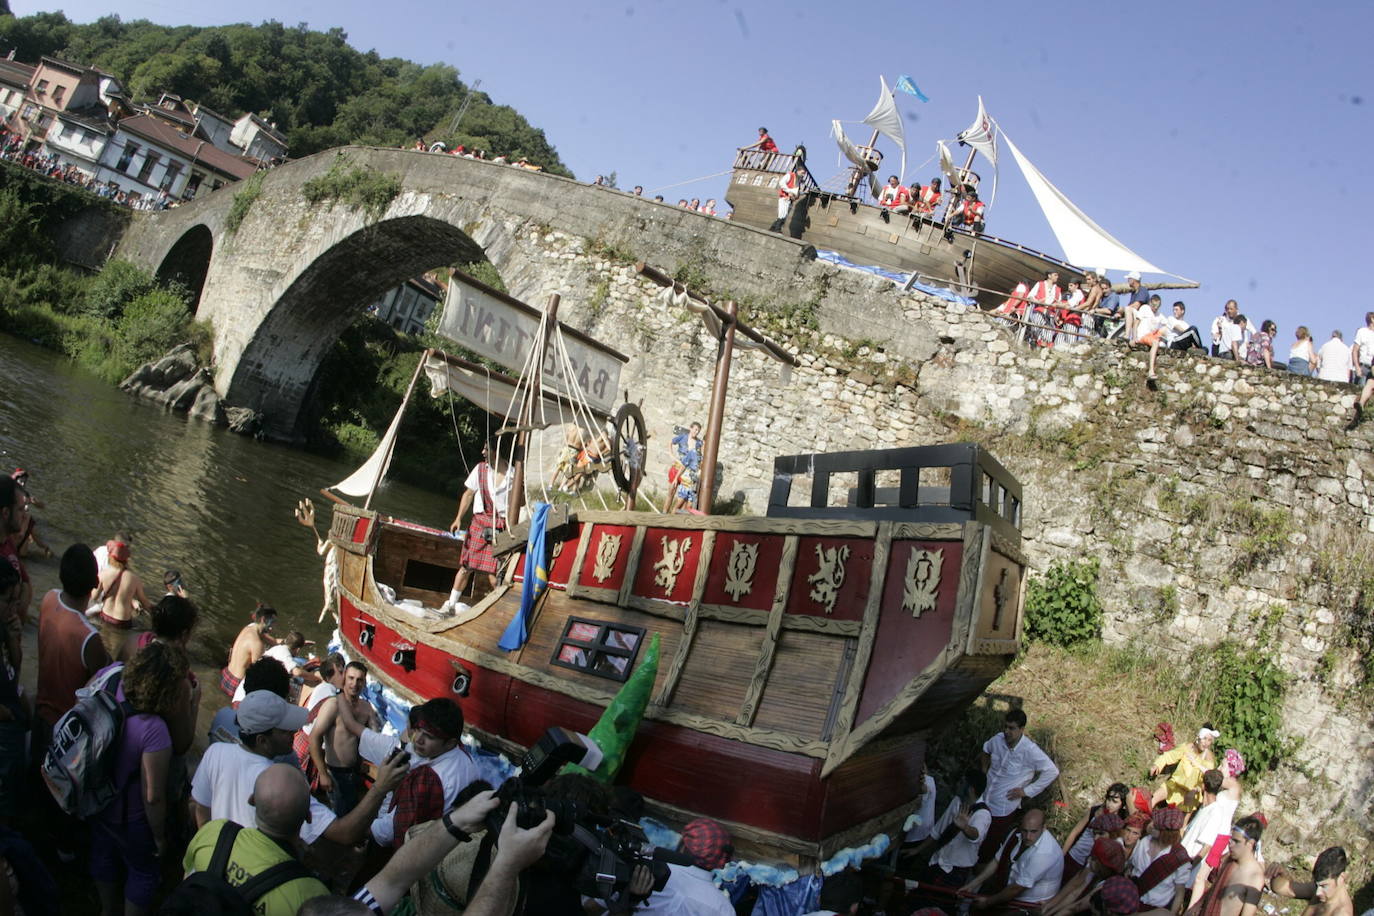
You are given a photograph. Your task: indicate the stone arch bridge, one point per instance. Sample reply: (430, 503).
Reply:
(280, 288)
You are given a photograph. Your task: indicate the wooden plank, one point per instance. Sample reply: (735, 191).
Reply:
(689, 622)
(631, 565)
(658, 608)
(584, 538)
(965, 629)
(881, 545)
(807, 624)
(922, 531)
(516, 538)
(740, 523)
(802, 683)
(764, 664)
(731, 614)
(845, 747)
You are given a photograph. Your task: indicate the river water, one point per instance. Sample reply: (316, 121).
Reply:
(214, 504)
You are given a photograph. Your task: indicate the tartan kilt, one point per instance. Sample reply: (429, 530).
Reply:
(477, 549)
(300, 743)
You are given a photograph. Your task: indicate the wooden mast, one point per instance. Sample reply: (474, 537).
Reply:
(706, 488)
(526, 418)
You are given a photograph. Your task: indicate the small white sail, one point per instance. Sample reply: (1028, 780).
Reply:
(369, 476)
(1083, 241)
(982, 134)
(887, 120)
(947, 165)
(847, 147)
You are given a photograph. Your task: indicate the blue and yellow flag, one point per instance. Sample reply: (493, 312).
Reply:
(908, 85)
(536, 580)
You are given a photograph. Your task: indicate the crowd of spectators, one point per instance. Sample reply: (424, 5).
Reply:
(1045, 314)
(1176, 848)
(439, 146)
(12, 149)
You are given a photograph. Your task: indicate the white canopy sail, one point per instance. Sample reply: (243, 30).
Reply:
(1083, 241)
(887, 120)
(362, 482)
(982, 135)
(853, 154)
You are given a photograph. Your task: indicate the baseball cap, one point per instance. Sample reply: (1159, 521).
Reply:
(263, 710)
(1133, 275)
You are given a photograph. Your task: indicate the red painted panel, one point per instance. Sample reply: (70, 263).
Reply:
(645, 585)
(765, 577)
(360, 530)
(562, 568)
(906, 644)
(870, 785)
(853, 591)
(702, 773)
(622, 557)
(483, 707)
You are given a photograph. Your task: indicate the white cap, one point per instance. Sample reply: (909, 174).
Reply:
(1133, 275)
(263, 710)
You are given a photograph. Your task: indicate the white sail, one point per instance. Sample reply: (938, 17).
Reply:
(1083, 241)
(887, 120)
(368, 477)
(855, 155)
(982, 134)
(947, 165)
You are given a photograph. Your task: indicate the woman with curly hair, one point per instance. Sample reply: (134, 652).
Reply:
(130, 835)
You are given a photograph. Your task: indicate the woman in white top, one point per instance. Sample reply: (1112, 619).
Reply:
(1302, 357)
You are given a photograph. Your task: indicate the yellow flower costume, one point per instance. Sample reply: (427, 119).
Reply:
(1187, 776)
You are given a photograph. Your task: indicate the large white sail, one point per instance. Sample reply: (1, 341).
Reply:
(982, 134)
(887, 120)
(1084, 241)
(854, 155)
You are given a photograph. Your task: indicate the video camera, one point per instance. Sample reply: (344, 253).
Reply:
(596, 855)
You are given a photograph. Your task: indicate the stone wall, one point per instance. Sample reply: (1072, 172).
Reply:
(1230, 502)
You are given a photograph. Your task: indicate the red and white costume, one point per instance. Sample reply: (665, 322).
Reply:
(927, 200)
(893, 197)
(789, 187)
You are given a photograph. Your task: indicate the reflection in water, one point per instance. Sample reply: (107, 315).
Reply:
(213, 504)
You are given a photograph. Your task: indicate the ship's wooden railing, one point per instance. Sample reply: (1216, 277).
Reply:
(979, 487)
(777, 164)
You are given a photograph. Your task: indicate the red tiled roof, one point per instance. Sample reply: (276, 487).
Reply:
(165, 135)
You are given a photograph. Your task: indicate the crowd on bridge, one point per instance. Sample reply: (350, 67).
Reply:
(301, 802)
(49, 165)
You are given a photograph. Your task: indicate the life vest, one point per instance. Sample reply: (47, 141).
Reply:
(929, 199)
(1042, 292)
(973, 212)
(894, 197)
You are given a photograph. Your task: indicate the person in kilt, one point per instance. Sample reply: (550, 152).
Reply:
(485, 492)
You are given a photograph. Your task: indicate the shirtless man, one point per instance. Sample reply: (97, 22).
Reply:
(1235, 891)
(1328, 888)
(120, 593)
(334, 748)
(253, 640)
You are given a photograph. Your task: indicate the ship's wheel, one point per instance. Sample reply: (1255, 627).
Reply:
(629, 449)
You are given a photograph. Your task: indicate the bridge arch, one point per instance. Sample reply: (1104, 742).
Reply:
(188, 261)
(285, 350)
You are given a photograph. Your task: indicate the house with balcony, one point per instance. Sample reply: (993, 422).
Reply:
(258, 139)
(408, 306)
(14, 84)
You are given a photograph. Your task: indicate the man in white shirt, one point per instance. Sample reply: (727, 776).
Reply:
(224, 780)
(1361, 355)
(1161, 867)
(487, 493)
(1333, 360)
(924, 815)
(1028, 868)
(1018, 770)
(690, 890)
(1219, 323)
(957, 836)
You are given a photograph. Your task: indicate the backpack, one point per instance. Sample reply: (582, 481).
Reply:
(194, 893)
(79, 764)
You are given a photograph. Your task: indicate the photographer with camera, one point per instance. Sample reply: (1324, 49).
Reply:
(440, 767)
(690, 888)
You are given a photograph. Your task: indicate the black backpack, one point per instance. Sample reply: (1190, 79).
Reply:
(209, 891)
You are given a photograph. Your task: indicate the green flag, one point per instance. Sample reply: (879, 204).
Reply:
(616, 728)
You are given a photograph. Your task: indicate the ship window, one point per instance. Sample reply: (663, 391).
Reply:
(604, 649)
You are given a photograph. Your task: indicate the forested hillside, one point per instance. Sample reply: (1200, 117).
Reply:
(320, 91)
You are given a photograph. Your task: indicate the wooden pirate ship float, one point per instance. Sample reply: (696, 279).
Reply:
(805, 655)
(843, 216)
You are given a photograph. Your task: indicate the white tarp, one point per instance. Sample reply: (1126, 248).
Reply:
(1084, 241)
(492, 393)
(981, 134)
(887, 120)
(504, 333)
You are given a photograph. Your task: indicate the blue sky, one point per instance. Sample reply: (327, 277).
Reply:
(1224, 141)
